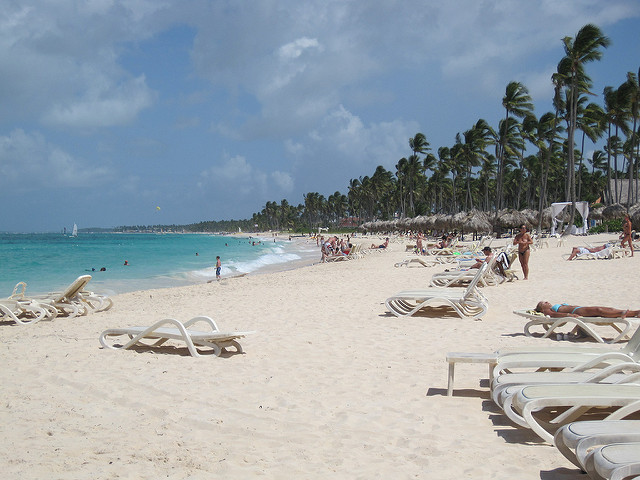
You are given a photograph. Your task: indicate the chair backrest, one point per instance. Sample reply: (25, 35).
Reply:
(476, 278)
(75, 288)
(632, 347)
(19, 290)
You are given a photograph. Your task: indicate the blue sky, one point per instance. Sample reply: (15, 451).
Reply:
(209, 109)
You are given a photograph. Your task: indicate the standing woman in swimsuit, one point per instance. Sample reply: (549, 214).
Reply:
(524, 241)
(626, 232)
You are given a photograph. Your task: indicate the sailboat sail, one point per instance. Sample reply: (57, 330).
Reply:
(75, 231)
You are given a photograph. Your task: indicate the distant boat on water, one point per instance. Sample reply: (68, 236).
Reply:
(74, 233)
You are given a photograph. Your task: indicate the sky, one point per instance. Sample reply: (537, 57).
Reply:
(209, 109)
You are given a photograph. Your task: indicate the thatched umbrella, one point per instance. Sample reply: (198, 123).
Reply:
(633, 209)
(430, 221)
(546, 218)
(614, 211)
(596, 213)
(531, 216)
(634, 214)
(442, 221)
(510, 218)
(458, 220)
(419, 223)
(478, 221)
(404, 223)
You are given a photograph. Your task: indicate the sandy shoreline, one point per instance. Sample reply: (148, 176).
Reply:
(330, 385)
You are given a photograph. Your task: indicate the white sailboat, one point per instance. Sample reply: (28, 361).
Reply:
(74, 233)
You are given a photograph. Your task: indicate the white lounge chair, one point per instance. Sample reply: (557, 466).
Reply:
(605, 254)
(549, 325)
(467, 302)
(621, 400)
(23, 312)
(463, 277)
(614, 461)
(561, 357)
(507, 384)
(575, 439)
(171, 329)
(354, 253)
(68, 302)
(415, 261)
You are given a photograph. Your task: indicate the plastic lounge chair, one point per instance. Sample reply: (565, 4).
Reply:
(67, 302)
(467, 302)
(575, 439)
(565, 357)
(353, 253)
(97, 302)
(619, 400)
(605, 254)
(614, 461)
(23, 312)
(171, 329)
(414, 260)
(507, 384)
(622, 326)
(463, 277)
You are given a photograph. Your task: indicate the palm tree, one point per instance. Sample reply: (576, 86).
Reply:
(487, 172)
(382, 189)
(630, 95)
(414, 171)
(508, 144)
(591, 123)
(354, 197)
(439, 176)
(419, 144)
(584, 48)
(516, 102)
(401, 169)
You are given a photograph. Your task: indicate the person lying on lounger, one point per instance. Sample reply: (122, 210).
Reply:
(582, 250)
(566, 310)
(384, 245)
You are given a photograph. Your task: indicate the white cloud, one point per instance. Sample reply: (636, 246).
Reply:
(103, 106)
(61, 62)
(283, 180)
(29, 162)
(237, 176)
(294, 49)
(343, 147)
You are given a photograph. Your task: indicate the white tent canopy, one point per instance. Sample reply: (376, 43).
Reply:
(581, 207)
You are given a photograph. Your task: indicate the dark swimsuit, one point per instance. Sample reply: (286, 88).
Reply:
(524, 251)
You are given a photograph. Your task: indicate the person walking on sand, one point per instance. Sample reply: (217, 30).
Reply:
(524, 241)
(218, 267)
(626, 232)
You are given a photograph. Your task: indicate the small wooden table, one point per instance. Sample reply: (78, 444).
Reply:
(468, 357)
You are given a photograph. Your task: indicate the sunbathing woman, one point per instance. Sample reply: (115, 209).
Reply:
(582, 250)
(565, 310)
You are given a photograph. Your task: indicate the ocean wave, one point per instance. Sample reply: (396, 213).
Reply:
(262, 262)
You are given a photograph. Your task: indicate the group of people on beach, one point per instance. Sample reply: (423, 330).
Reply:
(333, 246)
(445, 241)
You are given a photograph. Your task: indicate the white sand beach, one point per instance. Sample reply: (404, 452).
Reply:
(330, 385)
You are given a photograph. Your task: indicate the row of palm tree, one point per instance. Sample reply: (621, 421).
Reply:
(525, 162)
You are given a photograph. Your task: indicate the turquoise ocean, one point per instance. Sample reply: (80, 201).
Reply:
(49, 262)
